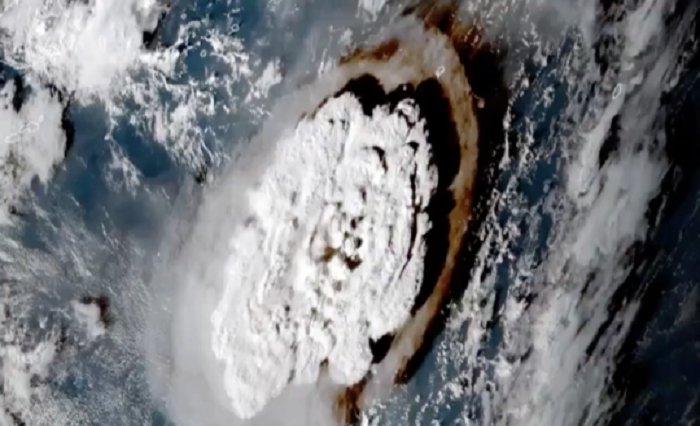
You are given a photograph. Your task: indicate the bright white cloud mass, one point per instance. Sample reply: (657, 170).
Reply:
(32, 143)
(256, 292)
(326, 259)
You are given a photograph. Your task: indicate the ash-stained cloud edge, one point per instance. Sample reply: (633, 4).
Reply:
(402, 64)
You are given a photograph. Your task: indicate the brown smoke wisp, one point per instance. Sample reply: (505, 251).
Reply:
(454, 76)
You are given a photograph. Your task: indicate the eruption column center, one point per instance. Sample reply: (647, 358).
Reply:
(331, 254)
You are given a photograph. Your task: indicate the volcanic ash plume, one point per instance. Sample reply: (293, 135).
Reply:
(321, 266)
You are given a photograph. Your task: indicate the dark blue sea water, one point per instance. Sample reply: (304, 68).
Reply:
(658, 372)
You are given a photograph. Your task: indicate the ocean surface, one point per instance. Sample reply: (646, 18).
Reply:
(607, 286)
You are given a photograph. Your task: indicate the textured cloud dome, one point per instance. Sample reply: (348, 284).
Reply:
(351, 208)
